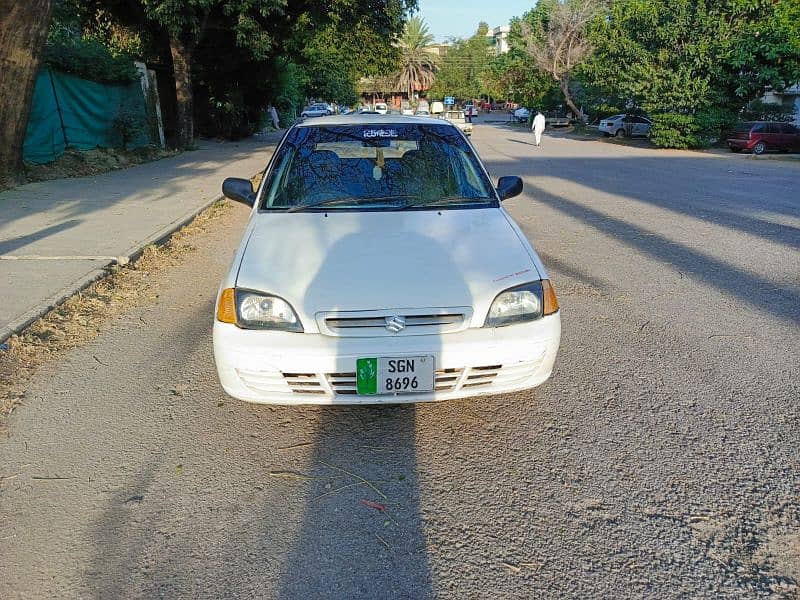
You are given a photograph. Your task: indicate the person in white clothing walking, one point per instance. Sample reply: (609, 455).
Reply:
(538, 127)
(274, 116)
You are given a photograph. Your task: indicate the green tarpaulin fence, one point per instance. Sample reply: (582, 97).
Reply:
(70, 112)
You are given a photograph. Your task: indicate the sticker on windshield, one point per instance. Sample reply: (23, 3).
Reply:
(380, 133)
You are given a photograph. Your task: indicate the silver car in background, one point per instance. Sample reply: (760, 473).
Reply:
(625, 126)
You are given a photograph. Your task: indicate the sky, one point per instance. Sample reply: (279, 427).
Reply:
(460, 18)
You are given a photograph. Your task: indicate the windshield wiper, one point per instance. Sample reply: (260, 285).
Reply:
(449, 200)
(330, 201)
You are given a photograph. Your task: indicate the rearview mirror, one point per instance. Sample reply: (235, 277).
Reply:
(508, 187)
(240, 190)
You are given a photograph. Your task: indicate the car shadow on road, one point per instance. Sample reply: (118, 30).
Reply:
(361, 533)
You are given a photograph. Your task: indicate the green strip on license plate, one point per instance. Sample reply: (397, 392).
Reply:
(367, 376)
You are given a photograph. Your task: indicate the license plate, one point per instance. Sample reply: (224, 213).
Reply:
(394, 375)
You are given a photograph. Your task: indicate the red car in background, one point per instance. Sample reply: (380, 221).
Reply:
(760, 136)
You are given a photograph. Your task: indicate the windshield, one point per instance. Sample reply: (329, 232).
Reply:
(376, 167)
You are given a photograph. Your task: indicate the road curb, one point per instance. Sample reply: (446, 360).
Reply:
(158, 239)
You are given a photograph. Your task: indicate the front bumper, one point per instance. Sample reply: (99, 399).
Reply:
(298, 368)
(741, 144)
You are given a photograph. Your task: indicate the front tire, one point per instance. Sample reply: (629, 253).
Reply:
(759, 148)
(620, 133)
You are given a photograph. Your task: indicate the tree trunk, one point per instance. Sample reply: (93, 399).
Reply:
(564, 85)
(182, 70)
(23, 31)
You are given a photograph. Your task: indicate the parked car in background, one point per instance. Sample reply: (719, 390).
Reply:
(407, 111)
(437, 108)
(381, 108)
(522, 115)
(761, 136)
(457, 118)
(320, 109)
(470, 110)
(557, 119)
(422, 112)
(625, 125)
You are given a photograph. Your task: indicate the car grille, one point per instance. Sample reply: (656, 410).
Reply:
(374, 323)
(344, 384)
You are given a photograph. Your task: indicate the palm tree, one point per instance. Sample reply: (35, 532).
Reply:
(417, 66)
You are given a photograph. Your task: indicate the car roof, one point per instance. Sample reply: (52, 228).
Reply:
(368, 119)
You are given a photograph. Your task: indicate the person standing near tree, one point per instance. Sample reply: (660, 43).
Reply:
(538, 127)
(274, 115)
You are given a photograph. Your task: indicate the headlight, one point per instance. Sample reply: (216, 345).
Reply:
(523, 303)
(251, 310)
(262, 311)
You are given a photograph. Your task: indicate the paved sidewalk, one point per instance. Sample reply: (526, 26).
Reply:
(57, 236)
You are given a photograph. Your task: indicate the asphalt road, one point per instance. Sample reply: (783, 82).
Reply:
(661, 459)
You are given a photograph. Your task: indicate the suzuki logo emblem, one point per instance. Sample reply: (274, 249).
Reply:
(395, 324)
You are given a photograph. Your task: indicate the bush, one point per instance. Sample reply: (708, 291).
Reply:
(767, 111)
(128, 125)
(89, 59)
(227, 117)
(674, 130)
(714, 123)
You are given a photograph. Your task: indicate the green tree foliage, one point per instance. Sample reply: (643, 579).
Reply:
(97, 53)
(513, 76)
(335, 60)
(758, 110)
(417, 65)
(701, 59)
(462, 71)
(235, 54)
(556, 34)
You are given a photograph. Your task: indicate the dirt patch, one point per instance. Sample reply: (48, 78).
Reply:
(82, 163)
(83, 316)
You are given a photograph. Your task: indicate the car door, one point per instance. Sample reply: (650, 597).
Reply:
(772, 135)
(629, 125)
(790, 137)
(758, 133)
(640, 126)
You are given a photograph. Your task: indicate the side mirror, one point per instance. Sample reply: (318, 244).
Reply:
(508, 187)
(240, 190)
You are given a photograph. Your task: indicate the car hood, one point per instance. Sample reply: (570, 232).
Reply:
(357, 261)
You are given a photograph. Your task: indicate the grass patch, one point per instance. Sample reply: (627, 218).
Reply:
(83, 163)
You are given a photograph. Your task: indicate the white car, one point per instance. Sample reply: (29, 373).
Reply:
(381, 108)
(320, 109)
(408, 112)
(625, 125)
(379, 266)
(421, 112)
(457, 118)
